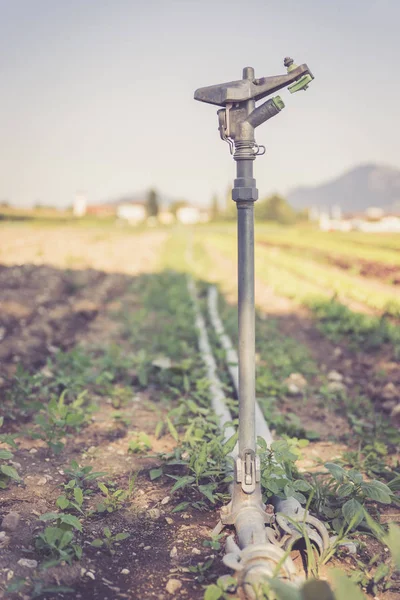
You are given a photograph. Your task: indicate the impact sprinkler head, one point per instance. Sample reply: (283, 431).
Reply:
(239, 115)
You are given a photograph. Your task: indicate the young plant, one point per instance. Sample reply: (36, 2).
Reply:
(23, 389)
(341, 497)
(57, 541)
(279, 475)
(140, 443)
(115, 500)
(7, 471)
(109, 540)
(202, 457)
(74, 501)
(59, 419)
(81, 476)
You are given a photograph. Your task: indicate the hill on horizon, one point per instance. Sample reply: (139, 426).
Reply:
(356, 190)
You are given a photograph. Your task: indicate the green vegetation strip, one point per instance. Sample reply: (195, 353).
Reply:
(337, 321)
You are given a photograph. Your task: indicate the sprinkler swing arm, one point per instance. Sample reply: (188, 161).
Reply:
(253, 556)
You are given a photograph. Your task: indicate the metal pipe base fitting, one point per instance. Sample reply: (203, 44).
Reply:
(295, 522)
(256, 564)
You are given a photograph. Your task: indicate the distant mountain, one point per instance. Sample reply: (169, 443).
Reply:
(355, 191)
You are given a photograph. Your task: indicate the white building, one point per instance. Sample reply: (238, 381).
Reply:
(79, 207)
(190, 215)
(134, 213)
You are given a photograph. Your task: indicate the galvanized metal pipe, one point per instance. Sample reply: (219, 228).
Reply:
(232, 361)
(246, 317)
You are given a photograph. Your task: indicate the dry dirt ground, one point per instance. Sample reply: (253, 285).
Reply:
(62, 287)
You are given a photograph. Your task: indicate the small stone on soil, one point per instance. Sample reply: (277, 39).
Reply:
(10, 521)
(336, 386)
(165, 500)
(173, 586)
(147, 548)
(196, 551)
(390, 392)
(29, 564)
(154, 513)
(125, 572)
(335, 376)
(32, 451)
(169, 520)
(4, 539)
(396, 411)
(174, 552)
(295, 383)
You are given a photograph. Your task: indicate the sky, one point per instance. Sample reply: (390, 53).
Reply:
(97, 95)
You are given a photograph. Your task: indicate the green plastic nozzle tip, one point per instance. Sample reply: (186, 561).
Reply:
(278, 102)
(300, 84)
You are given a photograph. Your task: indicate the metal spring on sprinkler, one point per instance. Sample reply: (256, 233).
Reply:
(247, 149)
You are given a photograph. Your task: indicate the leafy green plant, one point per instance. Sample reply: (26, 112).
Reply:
(81, 476)
(115, 500)
(74, 503)
(21, 394)
(57, 542)
(201, 460)
(68, 372)
(140, 443)
(109, 540)
(7, 471)
(58, 419)
(279, 475)
(341, 496)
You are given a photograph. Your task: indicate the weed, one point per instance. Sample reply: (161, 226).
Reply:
(109, 540)
(76, 490)
(58, 419)
(115, 500)
(57, 541)
(340, 497)
(82, 475)
(279, 475)
(22, 393)
(7, 471)
(140, 443)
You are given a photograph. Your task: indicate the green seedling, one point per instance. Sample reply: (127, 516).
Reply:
(57, 541)
(81, 476)
(119, 417)
(7, 471)
(59, 419)
(21, 395)
(341, 496)
(74, 503)
(201, 569)
(68, 372)
(140, 443)
(59, 545)
(115, 500)
(109, 540)
(279, 475)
